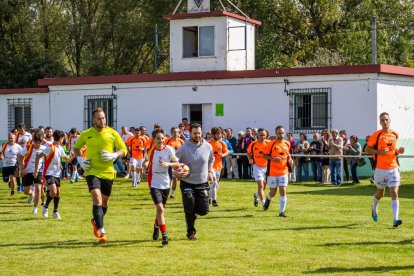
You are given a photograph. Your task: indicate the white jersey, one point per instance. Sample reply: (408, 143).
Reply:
(10, 154)
(73, 140)
(24, 138)
(126, 136)
(48, 142)
(54, 168)
(31, 162)
(158, 176)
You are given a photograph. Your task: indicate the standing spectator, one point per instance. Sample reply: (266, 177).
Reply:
(230, 148)
(255, 133)
(292, 174)
(184, 134)
(316, 148)
(335, 148)
(242, 144)
(371, 160)
(326, 172)
(186, 124)
(231, 160)
(345, 139)
(354, 148)
(302, 147)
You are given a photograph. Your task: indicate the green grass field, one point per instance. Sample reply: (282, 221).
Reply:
(329, 230)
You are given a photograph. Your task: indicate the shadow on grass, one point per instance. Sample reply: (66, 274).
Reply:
(403, 242)
(406, 191)
(348, 226)
(359, 269)
(17, 219)
(230, 210)
(227, 217)
(72, 244)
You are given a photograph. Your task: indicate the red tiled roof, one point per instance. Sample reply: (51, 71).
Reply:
(211, 14)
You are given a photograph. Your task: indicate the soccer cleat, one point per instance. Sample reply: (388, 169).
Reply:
(71, 181)
(35, 210)
(127, 175)
(171, 196)
(282, 214)
(209, 201)
(374, 216)
(255, 201)
(95, 229)
(164, 239)
(103, 238)
(11, 193)
(30, 198)
(397, 223)
(266, 205)
(45, 212)
(56, 215)
(191, 237)
(156, 233)
(214, 203)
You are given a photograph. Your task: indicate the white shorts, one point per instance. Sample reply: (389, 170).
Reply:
(277, 181)
(259, 173)
(136, 162)
(384, 178)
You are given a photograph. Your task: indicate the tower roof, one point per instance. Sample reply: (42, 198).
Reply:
(211, 14)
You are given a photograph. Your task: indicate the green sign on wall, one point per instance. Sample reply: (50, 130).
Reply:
(219, 109)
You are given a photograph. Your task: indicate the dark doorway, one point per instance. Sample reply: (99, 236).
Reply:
(196, 113)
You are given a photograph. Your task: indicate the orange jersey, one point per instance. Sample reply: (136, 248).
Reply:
(218, 147)
(145, 137)
(187, 127)
(174, 143)
(256, 149)
(281, 150)
(136, 145)
(385, 141)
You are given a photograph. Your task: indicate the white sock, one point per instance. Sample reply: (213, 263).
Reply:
(138, 177)
(134, 178)
(268, 197)
(102, 231)
(172, 192)
(375, 205)
(256, 194)
(283, 201)
(263, 202)
(213, 191)
(395, 204)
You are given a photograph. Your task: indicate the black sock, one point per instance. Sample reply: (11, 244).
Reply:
(56, 203)
(104, 209)
(97, 212)
(18, 180)
(48, 199)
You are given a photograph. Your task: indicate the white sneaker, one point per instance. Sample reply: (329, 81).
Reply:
(56, 215)
(127, 176)
(45, 212)
(80, 177)
(35, 210)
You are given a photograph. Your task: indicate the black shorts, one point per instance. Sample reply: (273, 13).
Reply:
(105, 185)
(159, 196)
(9, 171)
(74, 162)
(28, 179)
(52, 180)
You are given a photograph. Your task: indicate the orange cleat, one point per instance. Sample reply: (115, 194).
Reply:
(103, 238)
(95, 229)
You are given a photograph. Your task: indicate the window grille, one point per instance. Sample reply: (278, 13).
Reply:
(19, 111)
(107, 103)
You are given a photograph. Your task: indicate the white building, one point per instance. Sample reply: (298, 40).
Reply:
(213, 81)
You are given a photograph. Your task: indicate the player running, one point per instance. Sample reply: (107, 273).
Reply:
(100, 141)
(27, 160)
(383, 145)
(73, 138)
(52, 169)
(220, 150)
(9, 155)
(160, 159)
(136, 146)
(255, 153)
(277, 152)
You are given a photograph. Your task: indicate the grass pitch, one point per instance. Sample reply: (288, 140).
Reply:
(328, 230)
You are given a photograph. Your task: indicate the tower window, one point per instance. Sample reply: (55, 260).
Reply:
(198, 41)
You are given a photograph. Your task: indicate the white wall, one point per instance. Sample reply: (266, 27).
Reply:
(40, 110)
(242, 59)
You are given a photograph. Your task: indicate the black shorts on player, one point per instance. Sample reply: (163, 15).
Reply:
(29, 179)
(9, 171)
(105, 185)
(50, 180)
(159, 196)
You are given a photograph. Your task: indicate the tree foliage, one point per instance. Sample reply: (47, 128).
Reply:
(59, 38)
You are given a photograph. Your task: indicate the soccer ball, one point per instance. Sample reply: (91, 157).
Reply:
(183, 168)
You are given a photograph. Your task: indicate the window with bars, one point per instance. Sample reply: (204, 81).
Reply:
(107, 103)
(19, 111)
(310, 109)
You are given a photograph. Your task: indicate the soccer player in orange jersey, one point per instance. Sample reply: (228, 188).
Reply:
(383, 145)
(136, 146)
(220, 150)
(255, 154)
(175, 142)
(277, 152)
